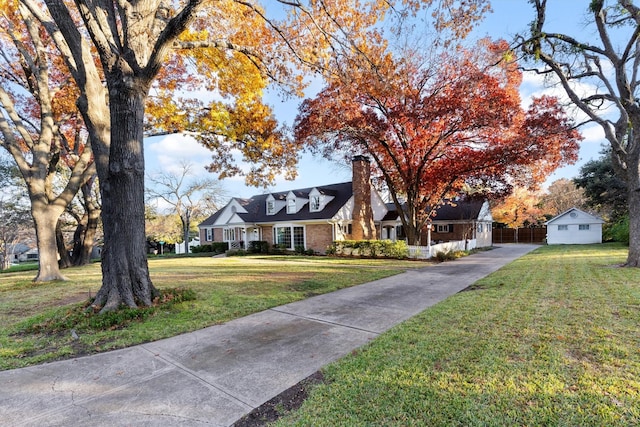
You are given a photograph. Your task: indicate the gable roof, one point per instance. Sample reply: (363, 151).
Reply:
(256, 206)
(460, 210)
(579, 216)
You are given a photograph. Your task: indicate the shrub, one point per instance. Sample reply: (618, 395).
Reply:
(237, 252)
(618, 231)
(201, 249)
(369, 248)
(215, 247)
(258, 247)
(449, 255)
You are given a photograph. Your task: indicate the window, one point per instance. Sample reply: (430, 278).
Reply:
(283, 236)
(479, 228)
(229, 234)
(298, 236)
(444, 228)
(563, 227)
(288, 237)
(271, 207)
(583, 227)
(291, 206)
(347, 229)
(208, 234)
(315, 204)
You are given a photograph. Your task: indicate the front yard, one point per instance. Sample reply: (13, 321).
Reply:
(44, 322)
(552, 339)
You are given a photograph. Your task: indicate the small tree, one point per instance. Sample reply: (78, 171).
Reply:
(520, 208)
(188, 197)
(562, 195)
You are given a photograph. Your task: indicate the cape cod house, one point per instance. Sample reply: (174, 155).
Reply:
(312, 218)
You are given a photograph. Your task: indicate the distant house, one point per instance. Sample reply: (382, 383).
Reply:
(574, 227)
(313, 218)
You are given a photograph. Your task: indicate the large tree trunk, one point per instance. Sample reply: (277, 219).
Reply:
(633, 184)
(45, 219)
(125, 274)
(65, 259)
(84, 237)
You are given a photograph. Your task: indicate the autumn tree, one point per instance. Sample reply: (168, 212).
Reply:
(187, 196)
(161, 227)
(520, 208)
(433, 124)
(39, 127)
(133, 41)
(599, 71)
(562, 195)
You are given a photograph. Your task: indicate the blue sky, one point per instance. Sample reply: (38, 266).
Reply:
(509, 17)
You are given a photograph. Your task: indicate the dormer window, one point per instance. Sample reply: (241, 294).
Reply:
(272, 207)
(315, 204)
(318, 200)
(291, 205)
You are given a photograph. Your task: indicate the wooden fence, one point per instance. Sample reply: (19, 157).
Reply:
(524, 235)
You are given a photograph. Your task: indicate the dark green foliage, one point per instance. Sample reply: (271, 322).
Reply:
(370, 248)
(617, 231)
(605, 191)
(258, 247)
(215, 247)
(237, 252)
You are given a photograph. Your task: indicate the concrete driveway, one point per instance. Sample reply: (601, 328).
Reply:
(216, 375)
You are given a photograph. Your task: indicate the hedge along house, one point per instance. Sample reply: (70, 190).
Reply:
(574, 227)
(313, 218)
(310, 218)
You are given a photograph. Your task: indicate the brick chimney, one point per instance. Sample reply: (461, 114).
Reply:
(363, 227)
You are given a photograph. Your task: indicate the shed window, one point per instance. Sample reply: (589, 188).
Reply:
(584, 227)
(563, 227)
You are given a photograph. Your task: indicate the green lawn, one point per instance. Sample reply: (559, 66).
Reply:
(36, 320)
(552, 339)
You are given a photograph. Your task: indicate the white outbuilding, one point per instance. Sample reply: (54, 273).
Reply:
(574, 227)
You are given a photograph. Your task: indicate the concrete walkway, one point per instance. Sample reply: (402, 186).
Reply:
(216, 375)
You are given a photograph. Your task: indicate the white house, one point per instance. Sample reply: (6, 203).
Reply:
(574, 227)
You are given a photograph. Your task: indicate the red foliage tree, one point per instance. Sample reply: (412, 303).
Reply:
(433, 129)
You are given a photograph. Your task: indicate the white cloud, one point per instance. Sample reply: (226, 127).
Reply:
(168, 152)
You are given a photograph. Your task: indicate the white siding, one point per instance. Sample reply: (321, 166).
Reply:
(566, 228)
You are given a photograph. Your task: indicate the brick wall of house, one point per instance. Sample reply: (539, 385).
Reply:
(319, 237)
(218, 235)
(267, 234)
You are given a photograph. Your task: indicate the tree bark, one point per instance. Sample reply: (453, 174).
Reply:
(63, 254)
(45, 219)
(125, 274)
(633, 185)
